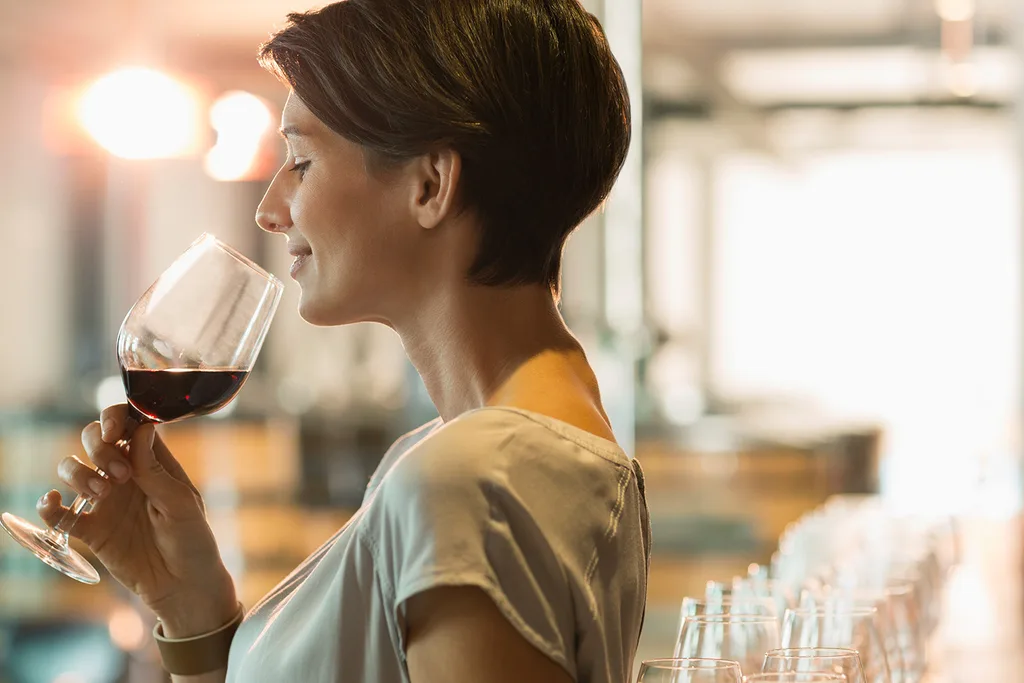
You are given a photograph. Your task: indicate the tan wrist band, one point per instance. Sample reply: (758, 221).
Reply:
(198, 654)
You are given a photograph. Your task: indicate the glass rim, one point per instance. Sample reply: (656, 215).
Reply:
(729, 616)
(857, 595)
(838, 611)
(811, 652)
(238, 256)
(731, 598)
(744, 605)
(781, 676)
(691, 663)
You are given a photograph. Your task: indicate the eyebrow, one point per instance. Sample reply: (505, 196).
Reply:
(291, 131)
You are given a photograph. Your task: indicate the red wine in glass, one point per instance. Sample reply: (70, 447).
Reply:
(185, 349)
(174, 394)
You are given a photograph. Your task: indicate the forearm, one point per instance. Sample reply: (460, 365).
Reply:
(202, 609)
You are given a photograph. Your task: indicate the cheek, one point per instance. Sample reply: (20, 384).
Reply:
(363, 240)
(376, 234)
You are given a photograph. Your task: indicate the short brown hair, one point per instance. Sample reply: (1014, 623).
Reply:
(527, 91)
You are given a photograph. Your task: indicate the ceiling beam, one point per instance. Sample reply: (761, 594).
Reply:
(927, 37)
(656, 109)
(704, 60)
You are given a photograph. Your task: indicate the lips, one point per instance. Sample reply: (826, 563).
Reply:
(301, 254)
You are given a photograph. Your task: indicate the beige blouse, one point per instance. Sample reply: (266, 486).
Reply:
(549, 520)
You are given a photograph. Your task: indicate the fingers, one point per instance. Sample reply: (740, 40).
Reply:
(51, 511)
(49, 508)
(104, 455)
(171, 464)
(82, 478)
(168, 494)
(116, 423)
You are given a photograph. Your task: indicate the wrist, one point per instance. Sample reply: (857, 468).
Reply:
(192, 615)
(201, 654)
(203, 619)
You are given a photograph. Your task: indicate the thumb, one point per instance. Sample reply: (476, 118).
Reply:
(165, 493)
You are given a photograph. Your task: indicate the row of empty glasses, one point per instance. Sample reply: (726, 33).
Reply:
(853, 593)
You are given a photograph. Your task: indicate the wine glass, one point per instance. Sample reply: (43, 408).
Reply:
(890, 607)
(814, 660)
(796, 677)
(760, 588)
(740, 637)
(184, 349)
(855, 628)
(907, 629)
(692, 670)
(695, 607)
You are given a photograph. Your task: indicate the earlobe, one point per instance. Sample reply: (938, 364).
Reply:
(437, 188)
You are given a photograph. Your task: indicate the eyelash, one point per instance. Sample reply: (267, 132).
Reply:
(300, 168)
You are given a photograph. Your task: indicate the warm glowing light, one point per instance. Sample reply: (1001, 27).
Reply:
(140, 113)
(960, 78)
(955, 10)
(240, 113)
(241, 120)
(126, 628)
(231, 160)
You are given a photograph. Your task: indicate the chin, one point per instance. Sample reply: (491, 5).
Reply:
(319, 315)
(322, 313)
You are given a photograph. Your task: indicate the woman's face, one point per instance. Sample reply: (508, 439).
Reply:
(353, 233)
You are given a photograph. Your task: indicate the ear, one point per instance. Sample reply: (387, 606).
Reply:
(437, 181)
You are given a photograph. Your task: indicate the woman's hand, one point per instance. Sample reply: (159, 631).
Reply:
(148, 525)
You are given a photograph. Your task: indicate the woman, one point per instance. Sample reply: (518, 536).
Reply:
(439, 155)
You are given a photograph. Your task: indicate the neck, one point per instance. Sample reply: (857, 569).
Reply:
(468, 342)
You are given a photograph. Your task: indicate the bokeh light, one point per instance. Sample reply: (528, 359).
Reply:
(139, 113)
(241, 120)
(126, 628)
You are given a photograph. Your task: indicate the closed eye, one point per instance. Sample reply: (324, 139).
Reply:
(300, 168)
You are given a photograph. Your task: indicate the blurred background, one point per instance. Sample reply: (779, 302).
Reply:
(806, 282)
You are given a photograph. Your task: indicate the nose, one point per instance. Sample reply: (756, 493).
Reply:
(273, 214)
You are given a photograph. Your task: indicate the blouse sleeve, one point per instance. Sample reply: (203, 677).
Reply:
(448, 518)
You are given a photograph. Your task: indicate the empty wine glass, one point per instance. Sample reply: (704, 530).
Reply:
(835, 601)
(760, 588)
(740, 637)
(852, 628)
(908, 631)
(690, 670)
(184, 349)
(815, 660)
(693, 607)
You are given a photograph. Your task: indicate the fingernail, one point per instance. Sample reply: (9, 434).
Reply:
(44, 500)
(107, 427)
(119, 470)
(98, 486)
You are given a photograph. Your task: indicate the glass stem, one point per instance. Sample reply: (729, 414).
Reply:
(62, 530)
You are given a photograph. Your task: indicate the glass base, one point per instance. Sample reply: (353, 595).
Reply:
(60, 556)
